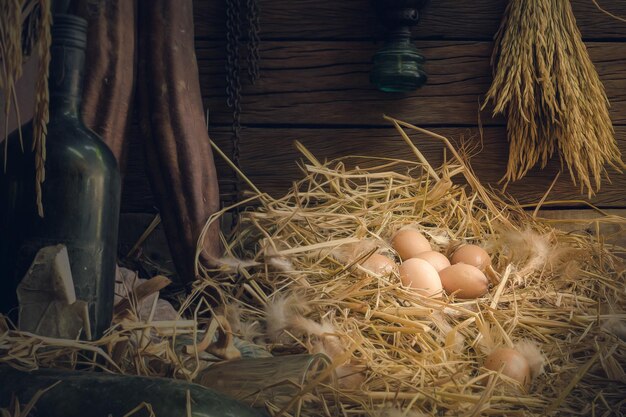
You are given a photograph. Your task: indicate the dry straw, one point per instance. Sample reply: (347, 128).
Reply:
(557, 296)
(548, 89)
(293, 282)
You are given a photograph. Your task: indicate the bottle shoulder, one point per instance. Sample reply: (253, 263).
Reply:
(70, 146)
(71, 139)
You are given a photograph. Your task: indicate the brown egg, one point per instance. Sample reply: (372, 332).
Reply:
(471, 255)
(467, 280)
(379, 264)
(511, 363)
(436, 259)
(409, 243)
(421, 276)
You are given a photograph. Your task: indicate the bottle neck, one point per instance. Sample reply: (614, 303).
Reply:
(65, 80)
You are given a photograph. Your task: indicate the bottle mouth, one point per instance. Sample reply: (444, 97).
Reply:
(69, 30)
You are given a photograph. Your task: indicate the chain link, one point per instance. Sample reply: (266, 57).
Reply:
(252, 58)
(235, 10)
(233, 82)
(234, 17)
(233, 85)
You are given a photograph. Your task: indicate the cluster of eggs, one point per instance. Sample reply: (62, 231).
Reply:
(429, 272)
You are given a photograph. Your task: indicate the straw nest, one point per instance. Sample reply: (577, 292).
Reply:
(292, 281)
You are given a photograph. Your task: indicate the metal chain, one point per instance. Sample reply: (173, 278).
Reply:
(252, 58)
(233, 82)
(234, 17)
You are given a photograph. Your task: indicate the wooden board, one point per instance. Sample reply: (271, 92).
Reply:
(326, 83)
(314, 87)
(355, 19)
(269, 159)
(608, 224)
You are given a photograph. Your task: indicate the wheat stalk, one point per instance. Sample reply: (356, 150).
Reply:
(547, 87)
(14, 16)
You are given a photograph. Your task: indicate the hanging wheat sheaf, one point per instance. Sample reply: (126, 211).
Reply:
(548, 89)
(24, 27)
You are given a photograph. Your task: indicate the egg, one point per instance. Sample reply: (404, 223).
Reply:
(511, 363)
(409, 243)
(436, 259)
(471, 255)
(467, 280)
(379, 264)
(421, 276)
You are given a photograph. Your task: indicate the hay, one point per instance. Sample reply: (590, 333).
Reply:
(292, 281)
(546, 85)
(555, 293)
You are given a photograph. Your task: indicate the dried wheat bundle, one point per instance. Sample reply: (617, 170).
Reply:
(24, 24)
(548, 89)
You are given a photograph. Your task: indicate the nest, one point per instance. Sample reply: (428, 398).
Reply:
(292, 280)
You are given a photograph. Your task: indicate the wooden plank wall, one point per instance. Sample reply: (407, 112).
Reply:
(314, 87)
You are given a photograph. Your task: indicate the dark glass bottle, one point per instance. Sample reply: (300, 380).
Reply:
(81, 191)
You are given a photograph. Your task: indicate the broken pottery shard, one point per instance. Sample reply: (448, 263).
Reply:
(47, 299)
(49, 273)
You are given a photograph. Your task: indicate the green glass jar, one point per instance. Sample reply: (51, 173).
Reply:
(398, 67)
(80, 194)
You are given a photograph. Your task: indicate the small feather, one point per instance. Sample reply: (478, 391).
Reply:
(531, 351)
(281, 313)
(351, 252)
(281, 264)
(233, 264)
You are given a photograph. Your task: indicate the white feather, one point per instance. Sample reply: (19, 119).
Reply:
(231, 263)
(348, 253)
(250, 331)
(232, 312)
(281, 264)
(281, 313)
(531, 351)
(273, 258)
(439, 237)
(530, 252)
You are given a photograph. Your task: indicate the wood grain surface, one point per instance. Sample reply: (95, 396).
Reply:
(326, 83)
(355, 19)
(314, 87)
(270, 160)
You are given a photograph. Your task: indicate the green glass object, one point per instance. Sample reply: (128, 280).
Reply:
(398, 66)
(80, 194)
(65, 393)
